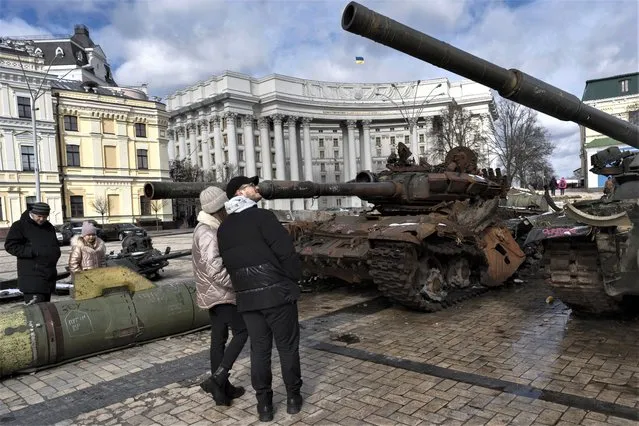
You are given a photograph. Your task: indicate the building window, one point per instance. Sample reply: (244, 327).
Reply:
(140, 130)
(407, 139)
(241, 170)
(108, 126)
(258, 156)
(323, 179)
(336, 153)
(338, 178)
(240, 156)
(199, 146)
(199, 130)
(226, 140)
(624, 85)
(321, 142)
(28, 158)
(392, 129)
(378, 141)
(421, 137)
(337, 167)
(73, 156)
(226, 156)
(422, 150)
(392, 139)
(321, 154)
(339, 202)
(335, 142)
(239, 139)
(379, 152)
(322, 167)
(71, 123)
(272, 157)
(77, 206)
(24, 107)
(145, 206)
(438, 124)
(258, 170)
(238, 122)
(110, 159)
(143, 159)
(274, 171)
(113, 204)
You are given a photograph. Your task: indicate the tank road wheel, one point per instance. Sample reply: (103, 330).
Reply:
(428, 279)
(458, 273)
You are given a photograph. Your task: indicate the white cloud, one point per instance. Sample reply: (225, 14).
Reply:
(17, 27)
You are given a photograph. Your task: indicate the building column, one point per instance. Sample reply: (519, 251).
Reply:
(171, 134)
(280, 162)
(231, 137)
(345, 162)
(367, 159)
(193, 154)
(249, 145)
(265, 142)
(293, 152)
(308, 155)
(352, 159)
(206, 152)
(414, 145)
(182, 142)
(218, 144)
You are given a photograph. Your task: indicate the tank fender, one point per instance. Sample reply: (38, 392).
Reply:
(503, 255)
(619, 219)
(411, 232)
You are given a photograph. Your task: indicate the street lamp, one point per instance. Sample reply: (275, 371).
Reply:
(34, 97)
(411, 120)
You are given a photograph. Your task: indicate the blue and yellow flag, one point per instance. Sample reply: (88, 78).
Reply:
(359, 59)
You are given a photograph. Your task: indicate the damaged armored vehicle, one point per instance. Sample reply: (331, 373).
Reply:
(431, 238)
(591, 248)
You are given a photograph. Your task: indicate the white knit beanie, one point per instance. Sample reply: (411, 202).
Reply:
(212, 199)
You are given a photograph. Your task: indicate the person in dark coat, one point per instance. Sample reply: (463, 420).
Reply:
(264, 268)
(32, 239)
(552, 185)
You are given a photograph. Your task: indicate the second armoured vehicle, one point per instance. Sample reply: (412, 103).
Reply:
(592, 254)
(430, 239)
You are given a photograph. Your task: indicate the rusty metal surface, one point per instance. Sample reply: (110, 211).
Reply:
(503, 255)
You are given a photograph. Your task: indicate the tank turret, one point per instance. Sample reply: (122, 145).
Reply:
(404, 188)
(599, 239)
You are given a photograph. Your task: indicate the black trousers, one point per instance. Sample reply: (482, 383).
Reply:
(222, 317)
(282, 324)
(31, 298)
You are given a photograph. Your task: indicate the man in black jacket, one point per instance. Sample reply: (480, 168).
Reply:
(33, 241)
(260, 257)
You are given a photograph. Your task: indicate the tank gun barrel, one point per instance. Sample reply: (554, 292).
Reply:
(282, 189)
(171, 190)
(511, 84)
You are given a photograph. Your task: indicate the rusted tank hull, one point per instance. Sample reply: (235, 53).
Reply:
(424, 262)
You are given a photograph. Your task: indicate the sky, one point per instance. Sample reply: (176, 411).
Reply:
(171, 44)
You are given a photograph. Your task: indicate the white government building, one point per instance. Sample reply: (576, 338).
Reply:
(280, 127)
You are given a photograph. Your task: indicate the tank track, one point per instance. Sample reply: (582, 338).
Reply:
(574, 271)
(391, 264)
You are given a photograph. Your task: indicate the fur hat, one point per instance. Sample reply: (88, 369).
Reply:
(212, 199)
(88, 229)
(40, 209)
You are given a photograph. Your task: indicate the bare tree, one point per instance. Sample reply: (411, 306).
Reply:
(454, 127)
(222, 173)
(101, 205)
(521, 144)
(156, 206)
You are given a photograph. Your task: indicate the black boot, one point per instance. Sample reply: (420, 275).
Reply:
(265, 407)
(218, 380)
(294, 403)
(233, 391)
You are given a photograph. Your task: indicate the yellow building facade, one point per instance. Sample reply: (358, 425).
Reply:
(110, 142)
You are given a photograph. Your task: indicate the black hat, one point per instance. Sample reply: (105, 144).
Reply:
(41, 209)
(235, 184)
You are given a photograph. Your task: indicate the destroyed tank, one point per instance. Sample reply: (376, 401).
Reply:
(430, 239)
(591, 247)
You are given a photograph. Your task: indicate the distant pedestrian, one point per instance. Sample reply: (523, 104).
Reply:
(215, 293)
(88, 251)
(32, 239)
(552, 184)
(264, 268)
(562, 185)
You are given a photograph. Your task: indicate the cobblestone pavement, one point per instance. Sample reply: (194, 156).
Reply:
(505, 357)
